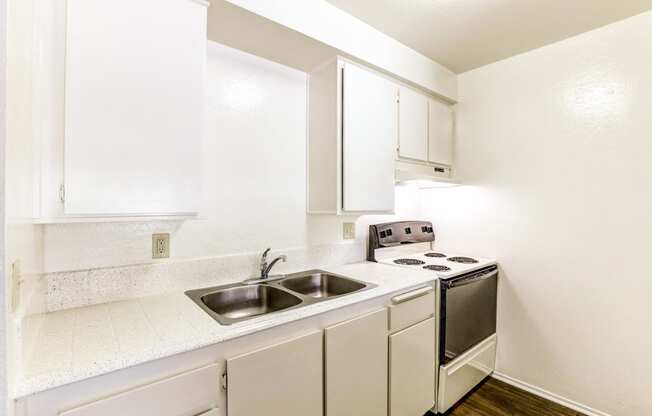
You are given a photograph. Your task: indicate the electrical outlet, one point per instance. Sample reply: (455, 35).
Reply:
(348, 231)
(160, 246)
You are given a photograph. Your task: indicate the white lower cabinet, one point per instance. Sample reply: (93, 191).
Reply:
(412, 370)
(187, 394)
(356, 366)
(284, 379)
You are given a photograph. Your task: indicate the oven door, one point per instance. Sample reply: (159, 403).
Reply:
(468, 312)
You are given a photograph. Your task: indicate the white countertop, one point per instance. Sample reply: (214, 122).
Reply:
(71, 345)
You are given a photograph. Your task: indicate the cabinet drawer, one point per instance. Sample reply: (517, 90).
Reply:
(463, 373)
(411, 307)
(187, 394)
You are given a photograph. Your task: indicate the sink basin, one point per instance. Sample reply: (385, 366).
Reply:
(322, 285)
(239, 303)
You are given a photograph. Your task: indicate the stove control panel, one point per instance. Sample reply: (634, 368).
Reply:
(396, 233)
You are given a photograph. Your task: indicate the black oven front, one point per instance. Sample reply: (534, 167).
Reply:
(468, 311)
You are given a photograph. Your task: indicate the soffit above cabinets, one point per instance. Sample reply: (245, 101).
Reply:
(238, 28)
(304, 34)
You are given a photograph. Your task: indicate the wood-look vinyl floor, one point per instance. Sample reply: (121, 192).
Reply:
(495, 398)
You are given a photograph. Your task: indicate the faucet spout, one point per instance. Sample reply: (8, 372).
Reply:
(266, 270)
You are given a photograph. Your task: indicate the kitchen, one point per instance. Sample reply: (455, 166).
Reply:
(149, 158)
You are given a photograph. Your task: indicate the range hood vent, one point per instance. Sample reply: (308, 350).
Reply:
(422, 175)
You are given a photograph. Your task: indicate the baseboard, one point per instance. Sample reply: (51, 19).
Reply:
(588, 411)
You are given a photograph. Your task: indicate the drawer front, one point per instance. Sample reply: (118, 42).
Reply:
(187, 394)
(462, 374)
(411, 307)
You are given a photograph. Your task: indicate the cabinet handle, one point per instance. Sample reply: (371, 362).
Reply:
(412, 295)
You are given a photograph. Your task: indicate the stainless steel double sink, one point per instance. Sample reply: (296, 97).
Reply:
(238, 302)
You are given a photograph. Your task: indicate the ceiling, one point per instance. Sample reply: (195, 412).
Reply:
(466, 34)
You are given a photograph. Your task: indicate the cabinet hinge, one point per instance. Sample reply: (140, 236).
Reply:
(224, 381)
(62, 193)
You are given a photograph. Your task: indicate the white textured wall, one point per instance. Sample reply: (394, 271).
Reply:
(556, 148)
(254, 178)
(20, 124)
(23, 240)
(4, 317)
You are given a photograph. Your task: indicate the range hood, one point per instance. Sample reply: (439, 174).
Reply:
(422, 175)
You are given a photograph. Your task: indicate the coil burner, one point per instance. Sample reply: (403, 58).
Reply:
(437, 268)
(464, 260)
(409, 262)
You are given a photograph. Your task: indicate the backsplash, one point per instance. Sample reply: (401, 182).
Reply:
(70, 289)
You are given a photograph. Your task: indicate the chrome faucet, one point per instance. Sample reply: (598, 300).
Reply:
(265, 268)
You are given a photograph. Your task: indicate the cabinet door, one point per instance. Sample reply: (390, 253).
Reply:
(440, 133)
(356, 366)
(369, 131)
(281, 380)
(134, 98)
(412, 370)
(413, 125)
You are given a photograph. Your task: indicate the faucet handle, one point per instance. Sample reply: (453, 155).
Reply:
(263, 261)
(264, 257)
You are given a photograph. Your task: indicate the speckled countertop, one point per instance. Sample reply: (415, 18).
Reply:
(71, 345)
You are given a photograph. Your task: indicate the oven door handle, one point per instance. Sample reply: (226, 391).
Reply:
(473, 279)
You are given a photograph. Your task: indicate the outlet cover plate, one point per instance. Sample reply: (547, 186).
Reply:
(161, 246)
(348, 230)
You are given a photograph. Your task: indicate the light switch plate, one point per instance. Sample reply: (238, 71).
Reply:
(161, 246)
(15, 286)
(348, 231)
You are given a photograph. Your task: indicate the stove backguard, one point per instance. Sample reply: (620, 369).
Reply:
(392, 234)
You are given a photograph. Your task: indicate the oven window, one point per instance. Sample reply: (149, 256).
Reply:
(468, 316)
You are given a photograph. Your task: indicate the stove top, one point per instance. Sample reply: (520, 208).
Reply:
(410, 244)
(433, 262)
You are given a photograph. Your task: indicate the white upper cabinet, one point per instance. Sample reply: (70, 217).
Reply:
(353, 129)
(413, 125)
(134, 106)
(368, 140)
(358, 119)
(440, 133)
